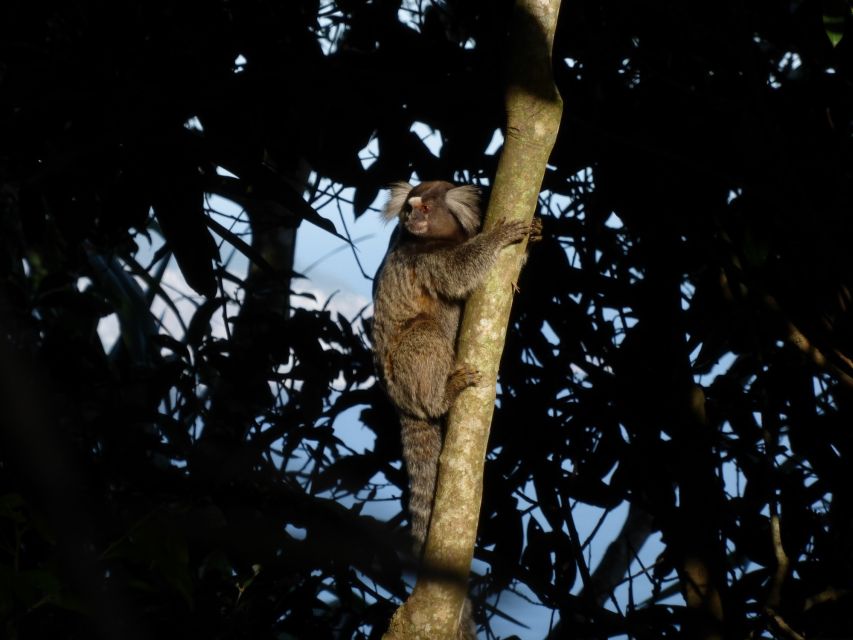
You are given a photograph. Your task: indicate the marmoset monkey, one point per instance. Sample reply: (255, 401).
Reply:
(435, 260)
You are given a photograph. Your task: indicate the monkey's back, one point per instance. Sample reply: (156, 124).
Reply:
(404, 302)
(414, 339)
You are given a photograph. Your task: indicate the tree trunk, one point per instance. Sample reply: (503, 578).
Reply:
(242, 391)
(534, 109)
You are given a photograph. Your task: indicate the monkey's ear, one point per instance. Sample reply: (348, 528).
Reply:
(464, 203)
(399, 192)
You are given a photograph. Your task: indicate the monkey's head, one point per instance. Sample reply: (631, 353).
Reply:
(435, 210)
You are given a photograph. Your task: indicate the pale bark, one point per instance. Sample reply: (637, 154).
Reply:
(534, 109)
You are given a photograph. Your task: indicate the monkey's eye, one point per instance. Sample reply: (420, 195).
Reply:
(425, 208)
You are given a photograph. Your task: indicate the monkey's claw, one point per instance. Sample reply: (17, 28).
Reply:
(514, 231)
(518, 230)
(465, 376)
(535, 230)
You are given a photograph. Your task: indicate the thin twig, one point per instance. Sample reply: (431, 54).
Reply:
(783, 626)
(798, 339)
(829, 595)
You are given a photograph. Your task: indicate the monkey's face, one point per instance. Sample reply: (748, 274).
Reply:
(417, 216)
(435, 210)
(429, 218)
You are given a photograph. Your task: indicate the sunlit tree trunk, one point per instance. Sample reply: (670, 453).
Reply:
(534, 109)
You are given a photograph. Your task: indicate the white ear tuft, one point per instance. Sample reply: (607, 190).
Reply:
(399, 192)
(464, 203)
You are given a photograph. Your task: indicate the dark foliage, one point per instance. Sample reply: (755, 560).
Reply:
(682, 342)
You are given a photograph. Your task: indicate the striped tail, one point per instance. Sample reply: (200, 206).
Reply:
(421, 449)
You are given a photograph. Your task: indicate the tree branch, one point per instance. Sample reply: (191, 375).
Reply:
(534, 109)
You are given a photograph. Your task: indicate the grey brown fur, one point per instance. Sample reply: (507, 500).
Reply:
(434, 263)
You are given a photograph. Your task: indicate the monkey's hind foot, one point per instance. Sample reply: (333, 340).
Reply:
(463, 377)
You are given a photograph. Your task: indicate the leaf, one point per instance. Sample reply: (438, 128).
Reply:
(154, 286)
(124, 293)
(158, 544)
(183, 224)
(243, 247)
(364, 197)
(565, 564)
(834, 20)
(36, 584)
(350, 474)
(11, 508)
(271, 196)
(592, 491)
(199, 326)
(537, 559)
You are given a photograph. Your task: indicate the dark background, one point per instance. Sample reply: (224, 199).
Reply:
(142, 490)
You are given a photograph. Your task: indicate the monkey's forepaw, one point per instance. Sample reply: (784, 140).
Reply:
(513, 231)
(535, 230)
